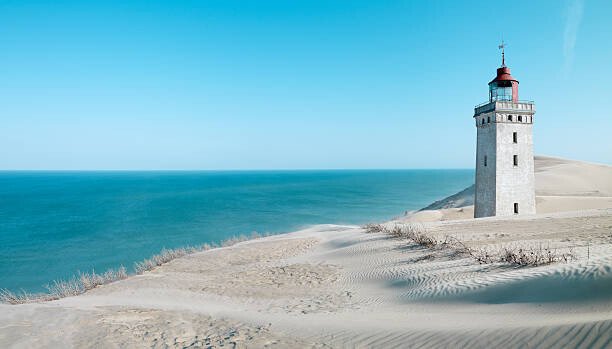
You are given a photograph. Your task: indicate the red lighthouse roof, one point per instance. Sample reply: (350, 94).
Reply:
(503, 74)
(504, 87)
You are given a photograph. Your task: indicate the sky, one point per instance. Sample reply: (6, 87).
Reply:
(213, 85)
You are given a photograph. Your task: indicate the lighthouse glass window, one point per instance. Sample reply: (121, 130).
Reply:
(500, 91)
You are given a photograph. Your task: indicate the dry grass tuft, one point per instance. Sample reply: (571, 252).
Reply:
(22, 297)
(517, 256)
(413, 232)
(374, 228)
(91, 280)
(65, 288)
(520, 256)
(166, 255)
(84, 282)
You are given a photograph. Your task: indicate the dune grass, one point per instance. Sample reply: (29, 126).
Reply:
(413, 232)
(83, 282)
(78, 284)
(516, 255)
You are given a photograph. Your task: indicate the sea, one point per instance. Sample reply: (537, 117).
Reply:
(55, 224)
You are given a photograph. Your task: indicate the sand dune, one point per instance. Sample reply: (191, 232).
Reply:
(336, 286)
(558, 177)
(561, 185)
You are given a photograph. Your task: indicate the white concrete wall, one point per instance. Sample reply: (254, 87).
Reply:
(485, 195)
(501, 184)
(515, 184)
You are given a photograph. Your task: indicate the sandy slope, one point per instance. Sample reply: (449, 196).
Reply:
(561, 185)
(334, 286)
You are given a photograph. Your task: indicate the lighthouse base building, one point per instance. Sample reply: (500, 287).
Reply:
(504, 150)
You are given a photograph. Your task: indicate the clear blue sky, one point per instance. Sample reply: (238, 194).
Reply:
(292, 84)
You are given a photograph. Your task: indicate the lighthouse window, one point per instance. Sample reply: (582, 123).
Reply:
(485, 161)
(500, 91)
(488, 119)
(514, 137)
(520, 118)
(515, 160)
(516, 208)
(509, 117)
(483, 121)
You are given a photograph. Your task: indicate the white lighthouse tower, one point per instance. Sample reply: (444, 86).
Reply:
(504, 150)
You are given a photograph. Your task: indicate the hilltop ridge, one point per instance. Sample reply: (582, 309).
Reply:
(561, 185)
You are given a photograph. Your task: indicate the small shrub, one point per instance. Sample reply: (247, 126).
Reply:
(512, 255)
(425, 240)
(373, 228)
(533, 257)
(482, 255)
(397, 232)
(416, 233)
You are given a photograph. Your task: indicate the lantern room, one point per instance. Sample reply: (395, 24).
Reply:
(504, 87)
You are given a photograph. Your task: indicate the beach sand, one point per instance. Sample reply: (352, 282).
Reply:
(336, 286)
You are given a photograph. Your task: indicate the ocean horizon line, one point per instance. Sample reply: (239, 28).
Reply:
(233, 170)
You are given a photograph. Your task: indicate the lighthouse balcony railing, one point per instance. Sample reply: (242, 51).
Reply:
(498, 104)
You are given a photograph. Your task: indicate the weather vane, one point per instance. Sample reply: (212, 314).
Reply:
(502, 47)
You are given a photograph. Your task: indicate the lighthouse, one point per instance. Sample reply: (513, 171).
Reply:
(504, 149)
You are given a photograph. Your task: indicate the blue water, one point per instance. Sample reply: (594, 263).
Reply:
(53, 224)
